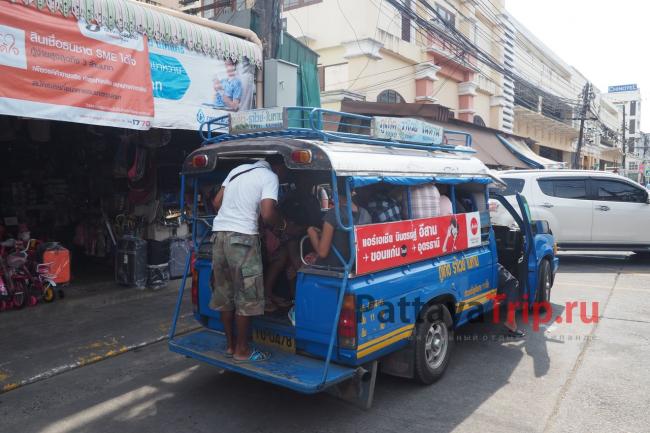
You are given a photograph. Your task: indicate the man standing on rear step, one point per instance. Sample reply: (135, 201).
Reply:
(249, 191)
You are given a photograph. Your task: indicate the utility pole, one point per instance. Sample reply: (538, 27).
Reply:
(623, 143)
(270, 25)
(586, 93)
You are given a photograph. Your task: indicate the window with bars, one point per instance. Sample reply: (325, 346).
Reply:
(390, 97)
(406, 23)
(448, 18)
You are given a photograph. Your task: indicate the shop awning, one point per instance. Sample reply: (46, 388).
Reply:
(520, 149)
(490, 150)
(162, 25)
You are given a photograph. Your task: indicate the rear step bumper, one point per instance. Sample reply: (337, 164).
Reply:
(296, 372)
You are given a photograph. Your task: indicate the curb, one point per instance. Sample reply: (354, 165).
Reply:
(89, 361)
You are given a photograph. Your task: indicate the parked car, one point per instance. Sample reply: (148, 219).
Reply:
(586, 210)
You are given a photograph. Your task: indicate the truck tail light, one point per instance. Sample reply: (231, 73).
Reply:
(301, 156)
(348, 323)
(200, 161)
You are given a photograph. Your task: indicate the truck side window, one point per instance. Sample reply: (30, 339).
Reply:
(614, 190)
(564, 188)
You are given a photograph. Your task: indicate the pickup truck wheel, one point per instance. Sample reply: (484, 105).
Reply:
(434, 337)
(544, 284)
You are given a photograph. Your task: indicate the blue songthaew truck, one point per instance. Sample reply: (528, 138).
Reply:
(392, 304)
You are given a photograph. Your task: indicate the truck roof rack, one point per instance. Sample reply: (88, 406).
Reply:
(326, 125)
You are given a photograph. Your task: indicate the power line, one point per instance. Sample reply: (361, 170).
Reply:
(458, 39)
(489, 38)
(410, 76)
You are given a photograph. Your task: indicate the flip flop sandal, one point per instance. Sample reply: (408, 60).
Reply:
(225, 353)
(255, 356)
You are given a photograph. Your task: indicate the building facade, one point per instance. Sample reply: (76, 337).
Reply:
(546, 93)
(372, 51)
(627, 98)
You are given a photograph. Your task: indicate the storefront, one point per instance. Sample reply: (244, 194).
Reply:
(99, 104)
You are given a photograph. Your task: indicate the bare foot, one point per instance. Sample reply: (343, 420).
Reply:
(242, 356)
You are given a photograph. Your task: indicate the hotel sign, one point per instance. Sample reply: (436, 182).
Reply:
(264, 119)
(622, 88)
(406, 129)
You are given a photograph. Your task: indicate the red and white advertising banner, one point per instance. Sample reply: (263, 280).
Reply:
(387, 245)
(59, 68)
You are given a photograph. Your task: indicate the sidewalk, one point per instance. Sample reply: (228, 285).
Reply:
(93, 322)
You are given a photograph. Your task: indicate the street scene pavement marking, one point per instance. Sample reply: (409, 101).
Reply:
(566, 377)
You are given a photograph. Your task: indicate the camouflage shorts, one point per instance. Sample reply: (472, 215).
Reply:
(237, 271)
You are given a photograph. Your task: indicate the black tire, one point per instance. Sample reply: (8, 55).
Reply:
(544, 284)
(434, 339)
(641, 255)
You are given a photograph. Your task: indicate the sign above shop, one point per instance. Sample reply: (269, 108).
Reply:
(62, 69)
(622, 88)
(406, 129)
(190, 88)
(264, 119)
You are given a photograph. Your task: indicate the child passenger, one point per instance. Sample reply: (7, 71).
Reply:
(331, 234)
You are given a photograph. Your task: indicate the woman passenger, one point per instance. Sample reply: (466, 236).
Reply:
(331, 234)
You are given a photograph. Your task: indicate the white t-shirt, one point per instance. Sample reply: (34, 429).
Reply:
(240, 208)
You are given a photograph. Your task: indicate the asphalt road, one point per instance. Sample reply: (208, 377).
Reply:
(575, 377)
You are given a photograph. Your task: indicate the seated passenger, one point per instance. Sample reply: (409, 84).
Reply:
(300, 209)
(331, 234)
(446, 207)
(381, 206)
(425, 201)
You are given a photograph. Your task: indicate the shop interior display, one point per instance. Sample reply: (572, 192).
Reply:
(88, 187)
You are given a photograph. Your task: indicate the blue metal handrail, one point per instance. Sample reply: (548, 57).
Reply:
(310, 123)
(347, 266)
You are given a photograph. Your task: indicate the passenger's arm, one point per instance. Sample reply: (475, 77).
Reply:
(218, 199)
(321, 243)
(267, 211)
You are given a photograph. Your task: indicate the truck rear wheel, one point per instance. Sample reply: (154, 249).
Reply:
(434, 337)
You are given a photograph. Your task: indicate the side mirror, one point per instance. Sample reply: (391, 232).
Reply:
(542, 227)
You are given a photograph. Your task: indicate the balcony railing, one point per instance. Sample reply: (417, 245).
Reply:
(542, 102)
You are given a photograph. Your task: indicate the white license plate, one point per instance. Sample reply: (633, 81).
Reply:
(269, 337)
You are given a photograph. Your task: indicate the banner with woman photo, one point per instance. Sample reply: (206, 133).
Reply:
(190, 88)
